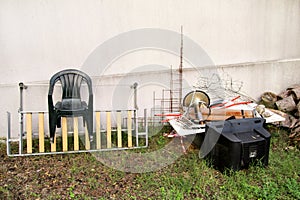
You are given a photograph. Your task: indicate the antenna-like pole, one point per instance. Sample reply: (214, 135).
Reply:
(180, 67)
(171, 90)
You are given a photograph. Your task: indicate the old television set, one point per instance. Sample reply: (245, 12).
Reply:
(240, 142)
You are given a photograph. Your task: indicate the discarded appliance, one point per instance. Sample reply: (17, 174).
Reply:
(240, 142)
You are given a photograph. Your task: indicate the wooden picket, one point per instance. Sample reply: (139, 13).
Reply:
(119, 129)
(98, 131)
(76, 135)
(64, 132)
(41, 133)
(129, 127)
(53, 145)
(29, 132)
(108, 129)
(87, 139)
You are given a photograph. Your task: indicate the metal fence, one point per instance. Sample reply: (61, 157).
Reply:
(114, 130)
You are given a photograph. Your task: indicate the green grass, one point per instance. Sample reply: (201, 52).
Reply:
(82, 176)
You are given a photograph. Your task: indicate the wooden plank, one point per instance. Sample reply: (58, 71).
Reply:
(64, 131)
(41, 133)
(76, 136)
(98, 132)
(108, 129)
(220, 117)
(222, 114)
(87, 139)
(119, 129)
(129, 129)
(29, 132)
(227, 112)
(53, 145)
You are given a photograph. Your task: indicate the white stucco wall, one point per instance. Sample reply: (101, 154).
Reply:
(40, 37)
(43, 36)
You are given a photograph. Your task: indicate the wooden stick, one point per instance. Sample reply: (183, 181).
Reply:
(64, 133)
(119, 129)
(129, 129)
(222, 114)
(87, 139)
(53, 145)
(41, 133)
(108, 129)
(29, 132)
(98, 132)
(76, 136)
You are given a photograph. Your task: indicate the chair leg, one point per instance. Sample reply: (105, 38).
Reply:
(89, 123)
(84, 120)
(52, 126)
(58, 122)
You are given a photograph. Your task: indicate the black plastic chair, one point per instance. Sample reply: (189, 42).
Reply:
(71, 103)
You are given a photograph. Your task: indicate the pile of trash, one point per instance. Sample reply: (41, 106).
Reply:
(287, 105)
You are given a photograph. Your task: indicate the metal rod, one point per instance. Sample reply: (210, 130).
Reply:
(136, 129)
(145, 117)
(171, 91)
(8, 133)
(180, 67)
(80, 151)
(153, 111)
(32, 112)
(146, 130)
(22, 87)
(36, 112)
(134, 87)
(162, 105)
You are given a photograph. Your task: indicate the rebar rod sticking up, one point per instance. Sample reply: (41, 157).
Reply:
(180, 68)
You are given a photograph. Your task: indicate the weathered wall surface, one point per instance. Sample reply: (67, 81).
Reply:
(115, 92)
(38, 38)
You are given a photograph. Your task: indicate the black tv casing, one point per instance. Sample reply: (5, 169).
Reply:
(241, 142)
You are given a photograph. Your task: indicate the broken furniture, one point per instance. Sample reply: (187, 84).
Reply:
(71, 103)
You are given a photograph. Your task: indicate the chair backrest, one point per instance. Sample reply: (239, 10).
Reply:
(71, 80)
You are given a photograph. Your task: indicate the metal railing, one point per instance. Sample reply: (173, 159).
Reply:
(110, 134)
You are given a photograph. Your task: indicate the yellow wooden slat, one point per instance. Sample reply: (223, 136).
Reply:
(41, 133)
(98, 133)
(29, 132)
(129, 129)
(87, 139)
(75, 127)
(53, 145)
(119, 129)
(108, 129)
(64, 130)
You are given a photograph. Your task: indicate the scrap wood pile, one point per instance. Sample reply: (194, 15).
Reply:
(287, 105)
